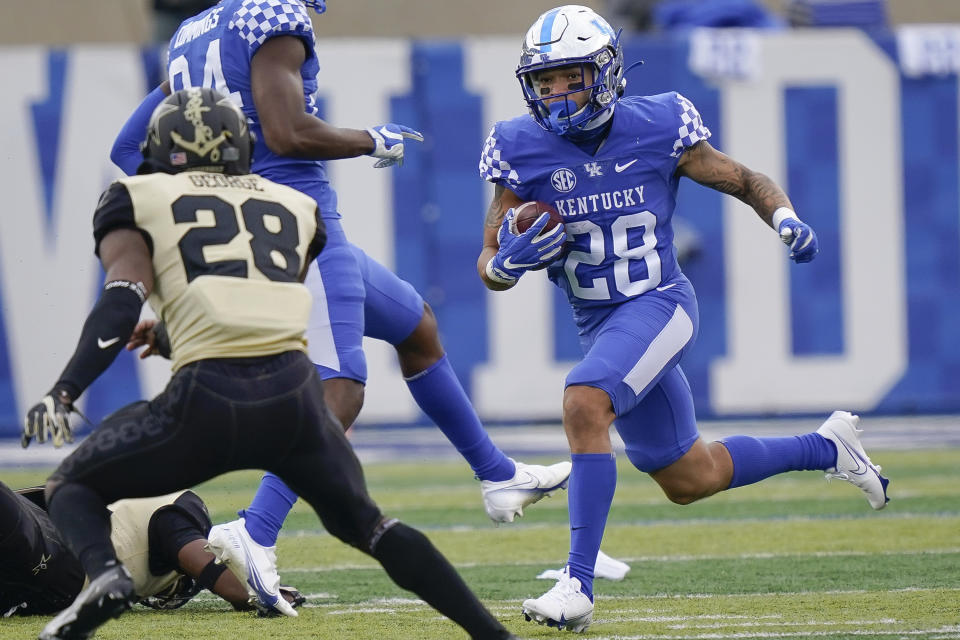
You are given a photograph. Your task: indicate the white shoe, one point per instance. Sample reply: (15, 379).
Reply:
(606, 567)
(610, 568)
(505, 499)
(253, 564)
(565, 606)
(852, 464)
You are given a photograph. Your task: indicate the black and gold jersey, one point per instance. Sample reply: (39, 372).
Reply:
(229, 254)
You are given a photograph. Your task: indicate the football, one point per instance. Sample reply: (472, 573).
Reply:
(528, 212)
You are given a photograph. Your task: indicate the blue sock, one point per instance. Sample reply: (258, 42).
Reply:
(757, 458)
(593, 481)
(268, 510)
(440, 395)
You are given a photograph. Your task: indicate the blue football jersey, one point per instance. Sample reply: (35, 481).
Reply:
(616, 205)
(214, 49)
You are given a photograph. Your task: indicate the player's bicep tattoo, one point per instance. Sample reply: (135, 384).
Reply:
(497, 209)
(718, 171)
(713, 169)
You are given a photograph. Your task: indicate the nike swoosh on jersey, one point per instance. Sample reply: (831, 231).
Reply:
(103, 344)
(621, 167)
(510, 264)
(667, 286)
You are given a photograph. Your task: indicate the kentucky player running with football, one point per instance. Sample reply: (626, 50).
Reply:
(261, 53)
(611, 166)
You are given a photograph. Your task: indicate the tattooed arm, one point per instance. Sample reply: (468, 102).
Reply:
(503, 200)
(711, 168)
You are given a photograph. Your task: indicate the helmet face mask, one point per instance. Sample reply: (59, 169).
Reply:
(198, 129)
(317, 5)
(564, 37)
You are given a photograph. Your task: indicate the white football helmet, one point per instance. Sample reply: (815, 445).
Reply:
(570, 35)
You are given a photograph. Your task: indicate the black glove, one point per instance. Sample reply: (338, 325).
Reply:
(50, 416)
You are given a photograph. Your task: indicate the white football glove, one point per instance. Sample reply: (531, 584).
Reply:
(388, 143)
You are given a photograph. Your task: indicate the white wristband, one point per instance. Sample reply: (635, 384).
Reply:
(498, 276)
(782, 214)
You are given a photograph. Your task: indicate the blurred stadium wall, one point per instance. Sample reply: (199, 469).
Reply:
(862, 130)
(57, 22)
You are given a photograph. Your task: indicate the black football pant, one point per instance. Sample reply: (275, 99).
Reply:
(38, 574)
(264, 413)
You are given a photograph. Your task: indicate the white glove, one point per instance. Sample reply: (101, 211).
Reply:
(388, 143)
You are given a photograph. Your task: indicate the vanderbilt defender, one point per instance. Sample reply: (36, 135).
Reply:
(222, 262)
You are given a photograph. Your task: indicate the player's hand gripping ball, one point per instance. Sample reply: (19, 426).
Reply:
(531, 236)
(526, 214)
(548, 236)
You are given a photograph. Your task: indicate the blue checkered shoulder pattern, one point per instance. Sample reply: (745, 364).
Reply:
(492, 167)
(691, 129)
(257, 20)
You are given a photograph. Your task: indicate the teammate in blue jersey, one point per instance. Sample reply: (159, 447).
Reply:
(261, 53)
(611, 166)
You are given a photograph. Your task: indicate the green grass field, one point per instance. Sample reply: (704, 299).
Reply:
(792, 557)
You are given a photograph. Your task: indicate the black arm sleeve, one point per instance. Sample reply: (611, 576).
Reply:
(106, 331)
(113, 317)
(173, 527)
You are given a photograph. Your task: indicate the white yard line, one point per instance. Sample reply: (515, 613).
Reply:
(940, 633)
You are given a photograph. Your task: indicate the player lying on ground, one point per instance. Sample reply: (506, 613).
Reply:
(221, 254)
(160, 540)
(611, 165)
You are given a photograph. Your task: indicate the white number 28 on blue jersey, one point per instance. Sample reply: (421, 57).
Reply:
(598, 289)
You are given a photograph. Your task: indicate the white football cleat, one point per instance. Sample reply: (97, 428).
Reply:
(853, 465)
(609, 568)
(252, 563)
(605, 567)
(565, 606)
(505, 499)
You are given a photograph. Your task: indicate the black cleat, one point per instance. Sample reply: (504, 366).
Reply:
(106, 597)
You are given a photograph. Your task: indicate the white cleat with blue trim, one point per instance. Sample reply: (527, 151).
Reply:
(505, 499)
(252, 563)
(852, 464)
(565, 606)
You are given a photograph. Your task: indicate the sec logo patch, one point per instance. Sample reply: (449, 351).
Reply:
(563, 180)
